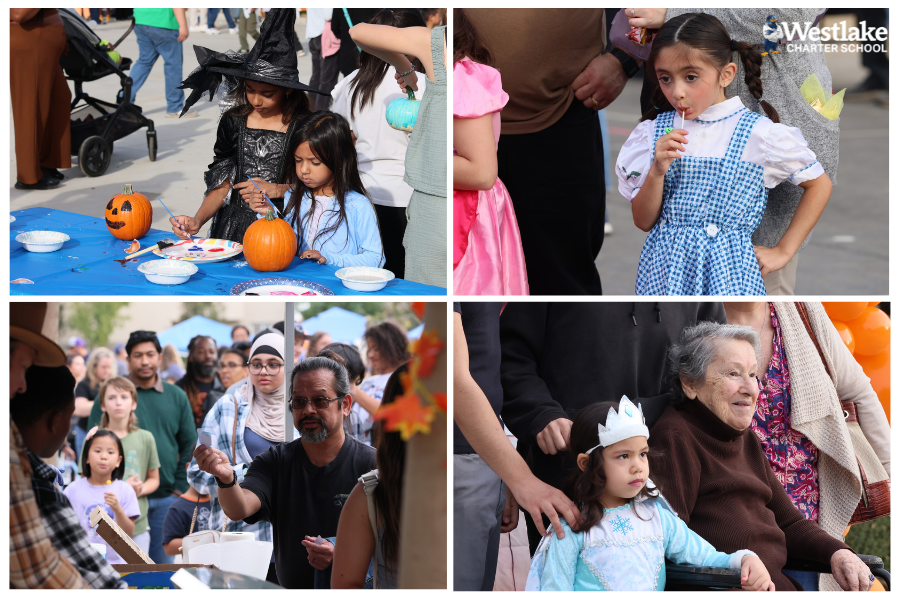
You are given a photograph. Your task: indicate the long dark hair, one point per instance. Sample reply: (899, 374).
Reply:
(392, 343)
(329, 138)
(189, 381)
(390, 457)
(119, 471)
(371, 68)
(294, 106)
(468, 42)
(585, 487)
(356, 370)
(707, 34)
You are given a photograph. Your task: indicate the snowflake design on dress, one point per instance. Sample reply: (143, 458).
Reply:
(622, 525)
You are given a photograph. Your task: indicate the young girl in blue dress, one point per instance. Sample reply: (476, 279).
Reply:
(327, 203)
(701, 189)
(627, 528)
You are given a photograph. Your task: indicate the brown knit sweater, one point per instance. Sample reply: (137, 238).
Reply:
(718, 481)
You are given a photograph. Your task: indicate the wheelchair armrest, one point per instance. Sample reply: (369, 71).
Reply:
(693, 577)
(875, 564)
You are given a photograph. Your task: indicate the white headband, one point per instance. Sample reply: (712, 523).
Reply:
(627, 423)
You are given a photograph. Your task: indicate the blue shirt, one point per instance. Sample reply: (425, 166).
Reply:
(256, 444)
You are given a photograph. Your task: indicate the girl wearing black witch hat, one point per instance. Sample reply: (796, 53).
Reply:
(268, 103)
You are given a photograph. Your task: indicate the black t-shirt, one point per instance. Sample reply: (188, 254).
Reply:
(300, 499)
(203, 388)
(481, 323)
(84, 390)
(179, 517)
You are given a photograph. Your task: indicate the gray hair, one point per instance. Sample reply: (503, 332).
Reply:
(691, 356)
(341, 382)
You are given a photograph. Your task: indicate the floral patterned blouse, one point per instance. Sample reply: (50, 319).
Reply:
(793, 458)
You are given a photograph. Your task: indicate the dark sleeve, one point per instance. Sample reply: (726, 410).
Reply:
(527, 404)
(83, 390)
(711, 311)
(457, 307)
(177, 523)
(678, 472)
(803, 537)
(259, 480)
(338, 22)
(186, 439)
(94, 419)
(224, 164)
(653, 408)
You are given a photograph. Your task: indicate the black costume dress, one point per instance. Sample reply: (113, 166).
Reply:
(241, 152)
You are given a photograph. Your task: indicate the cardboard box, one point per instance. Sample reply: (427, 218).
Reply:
(118, 540)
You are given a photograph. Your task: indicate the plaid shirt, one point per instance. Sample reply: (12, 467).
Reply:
(33, 561)
(65, 530)
(219, 424)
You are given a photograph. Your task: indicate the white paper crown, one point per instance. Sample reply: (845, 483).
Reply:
(627, 423)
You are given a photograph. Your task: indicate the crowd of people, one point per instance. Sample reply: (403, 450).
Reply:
(728, 170)
(705, 433)
(136, 446)
(321, 155)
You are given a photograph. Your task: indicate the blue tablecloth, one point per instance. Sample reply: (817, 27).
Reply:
(87, 265)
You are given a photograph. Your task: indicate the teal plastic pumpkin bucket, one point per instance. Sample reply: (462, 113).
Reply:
(401, 113)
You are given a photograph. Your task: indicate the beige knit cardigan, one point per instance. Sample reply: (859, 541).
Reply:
(816, 413)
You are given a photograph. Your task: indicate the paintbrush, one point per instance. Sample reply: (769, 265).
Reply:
(161, 245)
(190, 237)
(265, 195)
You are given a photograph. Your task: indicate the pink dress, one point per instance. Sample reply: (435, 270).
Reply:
(487, 247)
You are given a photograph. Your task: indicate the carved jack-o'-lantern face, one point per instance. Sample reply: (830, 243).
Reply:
(128, 215)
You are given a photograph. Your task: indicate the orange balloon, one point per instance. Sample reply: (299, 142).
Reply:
(871, 330)
(878, 369)
(846, 335)
(844, 311)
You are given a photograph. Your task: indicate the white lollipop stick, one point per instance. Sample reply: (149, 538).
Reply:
(682, 119)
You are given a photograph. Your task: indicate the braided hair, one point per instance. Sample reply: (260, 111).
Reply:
(705, 33)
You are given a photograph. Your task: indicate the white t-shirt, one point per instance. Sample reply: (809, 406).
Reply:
(380, 149)
(360, 419)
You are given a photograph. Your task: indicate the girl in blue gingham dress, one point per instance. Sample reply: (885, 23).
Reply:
(701, 191)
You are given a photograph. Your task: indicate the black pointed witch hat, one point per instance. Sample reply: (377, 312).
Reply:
(272, 60)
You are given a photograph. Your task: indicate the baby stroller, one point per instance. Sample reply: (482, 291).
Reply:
(97, 124)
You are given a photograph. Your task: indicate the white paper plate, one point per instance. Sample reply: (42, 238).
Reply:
(42, 241)
(364, 279)
(203, 250)
(279, 286)
(167, 272)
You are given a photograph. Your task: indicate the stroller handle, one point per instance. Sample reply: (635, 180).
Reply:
(124, 35)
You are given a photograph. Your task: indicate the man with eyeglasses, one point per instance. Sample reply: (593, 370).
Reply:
(163, 410)
(300, 486)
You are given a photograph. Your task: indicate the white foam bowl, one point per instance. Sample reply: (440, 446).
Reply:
(364, 279)
(42, 241)
(167, 272)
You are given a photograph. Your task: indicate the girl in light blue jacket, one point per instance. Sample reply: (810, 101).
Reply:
(327, 204)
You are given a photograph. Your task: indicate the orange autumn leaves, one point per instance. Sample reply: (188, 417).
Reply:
(413, 411)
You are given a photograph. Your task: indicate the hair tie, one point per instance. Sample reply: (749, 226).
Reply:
(759, 100)
(734, 46)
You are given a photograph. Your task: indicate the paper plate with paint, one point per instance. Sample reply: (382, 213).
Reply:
(202, 251)
(279, 286)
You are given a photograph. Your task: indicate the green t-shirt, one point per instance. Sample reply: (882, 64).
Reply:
(168, 417)
(140, 457)
(156, 17)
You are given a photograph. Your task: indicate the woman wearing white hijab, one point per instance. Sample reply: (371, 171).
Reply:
(245, 424)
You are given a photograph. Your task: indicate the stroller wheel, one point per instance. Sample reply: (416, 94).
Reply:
(94, 156)
(151, 145)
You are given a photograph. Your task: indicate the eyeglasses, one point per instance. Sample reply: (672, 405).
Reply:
(231, 365)
(271, 368)
(319, 403)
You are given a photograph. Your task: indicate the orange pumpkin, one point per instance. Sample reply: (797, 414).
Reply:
(128, 215)
(270, 244)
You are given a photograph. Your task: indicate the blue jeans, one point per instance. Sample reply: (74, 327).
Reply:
(157, 516)
(154, 42)
(809, 580)
(212, 13)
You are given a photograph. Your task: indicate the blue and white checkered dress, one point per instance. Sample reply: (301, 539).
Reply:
(711, 206)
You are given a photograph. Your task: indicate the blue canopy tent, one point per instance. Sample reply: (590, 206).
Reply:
(341, 324)
(180, 335)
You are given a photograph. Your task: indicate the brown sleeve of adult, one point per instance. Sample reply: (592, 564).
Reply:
(675, 470)
(803, 537)
(752, 61)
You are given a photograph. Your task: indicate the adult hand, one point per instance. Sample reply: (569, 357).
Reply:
(850, 573)
(771, 259)
(183, 33)
(650, 18)
(536, 497)
(410, 80)
(754, 575)
(188, 224)
(214, 462)
(314, 255)
(601, 82)
(510, 513)
(555, 436)
(320, 555)
(136, 484)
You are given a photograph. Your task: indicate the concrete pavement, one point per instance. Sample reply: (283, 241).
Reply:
(185, 145)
